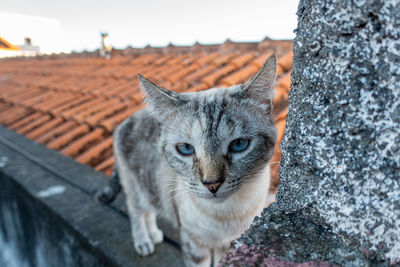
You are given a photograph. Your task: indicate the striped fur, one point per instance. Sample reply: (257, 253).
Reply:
(157, 180)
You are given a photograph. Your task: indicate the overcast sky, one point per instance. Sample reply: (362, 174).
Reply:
(159, 22)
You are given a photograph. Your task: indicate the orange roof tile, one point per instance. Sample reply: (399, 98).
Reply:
(240, 75)
(94, 154)
(201, 72)
(13, 114)
(24, 121)
(112, 122)
(56, 132)
(286, 61)
(183, 72)
(79, 145)
(44, 128)
(281, 99)
(106, 165)
(259, 61)
(285, 81)
(211, 79)
(73, 103)
(34, 124)
(241, 60)
(223, 59)
(207, 59)
(68, 137)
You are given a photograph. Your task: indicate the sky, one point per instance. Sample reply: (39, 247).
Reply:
(76, 24)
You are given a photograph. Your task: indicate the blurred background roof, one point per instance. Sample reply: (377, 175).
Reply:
(63, 26)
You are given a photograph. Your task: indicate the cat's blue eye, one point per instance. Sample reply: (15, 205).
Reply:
(239, 145)
(185, 149)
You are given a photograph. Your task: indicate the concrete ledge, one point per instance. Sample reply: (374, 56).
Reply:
(64, 227)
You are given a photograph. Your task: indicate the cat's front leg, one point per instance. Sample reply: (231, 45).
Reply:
(194, 254)
(145, 232)
(219, 253)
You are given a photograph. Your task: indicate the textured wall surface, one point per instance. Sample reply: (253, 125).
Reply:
(342, 144)
(341, 150)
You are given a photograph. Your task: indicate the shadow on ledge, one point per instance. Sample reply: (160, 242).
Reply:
(48, 217)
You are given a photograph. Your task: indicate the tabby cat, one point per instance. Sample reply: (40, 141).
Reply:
(199, 160)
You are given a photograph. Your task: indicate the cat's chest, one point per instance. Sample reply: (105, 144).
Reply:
(219, 224)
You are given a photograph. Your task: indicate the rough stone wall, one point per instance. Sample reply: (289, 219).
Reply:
(341, 151)
(342, 144)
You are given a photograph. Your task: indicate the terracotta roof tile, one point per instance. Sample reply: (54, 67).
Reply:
(33, 124)
(144, 59)
(276, 157)
(196, 75)
(281, 100)
(96, 107)
(242, 60)
(162, 59)
(56, 132)
(207, 59)
(25, 95)
(280, 126)
(113, 89)
(3, 106)
(13, 114)
(211, 79)
(82, 143)
(240, 76)
(106, 166)
(286, 61)
(167, 72)
(77, 100)
(183, 72)
(96, 153)
(110, 123)
(82, 107)
(279, 70)
(73, 103)
(95, 118)
(177, 60)
(281, 116)
(133, 94)
(24, 120)
(58, 99)
(275, 164)
(44, 128)
(197, 88)
(285, 81)
(221, 60)
(68, 137)
(45, 95)
(260, 60)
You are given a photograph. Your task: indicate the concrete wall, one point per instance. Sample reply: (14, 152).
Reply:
(32, 235)
(48, 216)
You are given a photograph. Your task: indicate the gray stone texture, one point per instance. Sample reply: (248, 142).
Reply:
(340, 165)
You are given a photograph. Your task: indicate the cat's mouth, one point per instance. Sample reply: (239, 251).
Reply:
(215, 197)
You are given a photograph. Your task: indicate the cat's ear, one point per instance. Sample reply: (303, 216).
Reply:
(261, 86)
(161, 99)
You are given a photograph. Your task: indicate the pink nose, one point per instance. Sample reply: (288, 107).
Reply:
(212, 186)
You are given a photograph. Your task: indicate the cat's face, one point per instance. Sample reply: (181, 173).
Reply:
(218, 139)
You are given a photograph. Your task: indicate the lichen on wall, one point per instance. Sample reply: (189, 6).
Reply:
(341, 150)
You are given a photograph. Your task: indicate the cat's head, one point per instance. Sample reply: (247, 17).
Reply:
(218, 139)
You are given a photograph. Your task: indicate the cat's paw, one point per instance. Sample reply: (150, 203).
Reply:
(157, 236)
(144, 247)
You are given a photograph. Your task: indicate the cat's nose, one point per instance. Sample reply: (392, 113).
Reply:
(213, 186)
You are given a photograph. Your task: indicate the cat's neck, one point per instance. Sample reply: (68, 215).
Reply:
(248, 201)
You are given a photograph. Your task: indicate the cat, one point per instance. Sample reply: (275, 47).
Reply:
(199, 160)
